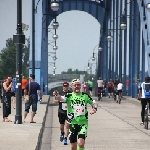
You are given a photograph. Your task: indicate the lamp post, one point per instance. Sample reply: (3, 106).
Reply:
(33, 36)
(148, 6)
(19, 39)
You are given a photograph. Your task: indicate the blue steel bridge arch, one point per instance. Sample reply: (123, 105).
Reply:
(44, 16)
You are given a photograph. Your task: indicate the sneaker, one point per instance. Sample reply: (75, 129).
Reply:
(61, 138)
(65, 141)
(141, 123)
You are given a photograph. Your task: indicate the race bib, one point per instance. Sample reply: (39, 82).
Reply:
(64, 106)
(79, 110)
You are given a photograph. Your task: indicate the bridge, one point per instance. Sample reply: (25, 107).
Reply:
(124, 39)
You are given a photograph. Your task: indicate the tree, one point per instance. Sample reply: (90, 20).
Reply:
(8, 59)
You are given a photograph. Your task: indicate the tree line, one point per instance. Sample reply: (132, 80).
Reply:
(8, 59)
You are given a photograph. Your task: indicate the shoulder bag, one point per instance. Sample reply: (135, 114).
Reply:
(27, 97)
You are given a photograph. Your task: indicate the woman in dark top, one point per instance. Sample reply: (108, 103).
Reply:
(7, 85)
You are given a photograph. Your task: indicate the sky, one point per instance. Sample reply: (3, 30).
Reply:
(78, 34)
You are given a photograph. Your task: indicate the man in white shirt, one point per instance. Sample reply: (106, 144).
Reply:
(119, 92)
(100, 83)
(145, 97)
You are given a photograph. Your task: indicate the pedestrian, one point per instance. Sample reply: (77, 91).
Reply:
(100, 84)
(110, 88)
(90, 87)
(24, 82)
(145, 97)
(62, 114)
(119, 91)
(77, 113)
(7, 85)
(32, 87)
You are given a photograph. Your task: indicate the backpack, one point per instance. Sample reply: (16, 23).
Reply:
(146, 87)
(109, 85)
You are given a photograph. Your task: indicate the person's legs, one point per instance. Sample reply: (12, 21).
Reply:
(34, 109)
(73, 131)
(66, 132)
(81, 136)
(117, 96)
(27, 107)
(143, 104)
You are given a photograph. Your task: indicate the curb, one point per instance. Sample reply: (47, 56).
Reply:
(42, 128)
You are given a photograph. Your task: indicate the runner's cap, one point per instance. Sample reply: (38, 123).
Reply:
(65, 84)
(75, 81)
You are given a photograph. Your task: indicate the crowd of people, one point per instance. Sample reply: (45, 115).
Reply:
(8, 94)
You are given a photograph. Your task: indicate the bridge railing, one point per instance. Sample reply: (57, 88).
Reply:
(67, 77)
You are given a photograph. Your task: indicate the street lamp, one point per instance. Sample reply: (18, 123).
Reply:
(19, 39)
(123, 25)
(148, 6)
(54, 5)
(109, 38)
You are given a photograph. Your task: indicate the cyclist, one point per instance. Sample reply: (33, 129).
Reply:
(119, 92)
(62, 114)
(77, 113)
(144, 97)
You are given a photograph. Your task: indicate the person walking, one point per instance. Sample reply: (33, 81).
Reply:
(7, 85)
(32, 87)
(62, 114)
(100, 83)
(110, 88)
(77, 113)
(24, 82)
(90, 87)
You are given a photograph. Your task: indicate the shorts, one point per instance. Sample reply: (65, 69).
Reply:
(32, 102)
(22, 92)
(118, 91)
(109, 90)
(62, 117)
(76, 130)
(13, 94)
(90, 89)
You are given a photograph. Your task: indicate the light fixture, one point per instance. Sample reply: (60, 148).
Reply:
(55, 25)
(54, 58)
(54, 5)
(55, 37)
(109, 36)
(53, 73)
(93, 58)
(100, 49)
(55, 47)
(148, 6)
(54, 67)
(123, 25)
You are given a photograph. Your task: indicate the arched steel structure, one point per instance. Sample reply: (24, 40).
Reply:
(43, 16)
(125, 57)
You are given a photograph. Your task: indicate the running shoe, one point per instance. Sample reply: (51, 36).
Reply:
(65, 141)
(141, 123)
(61, 138)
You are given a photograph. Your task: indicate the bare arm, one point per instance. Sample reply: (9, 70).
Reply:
(40, 94)
(7, 88)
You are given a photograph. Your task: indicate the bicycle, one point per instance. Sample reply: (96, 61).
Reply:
(100, 95)
(120, 95)
(146, 117)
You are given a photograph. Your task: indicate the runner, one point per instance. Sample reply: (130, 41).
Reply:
(77, 113)
(62, 114)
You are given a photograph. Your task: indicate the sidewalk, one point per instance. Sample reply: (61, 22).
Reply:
(114, 127)
(22, 136)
